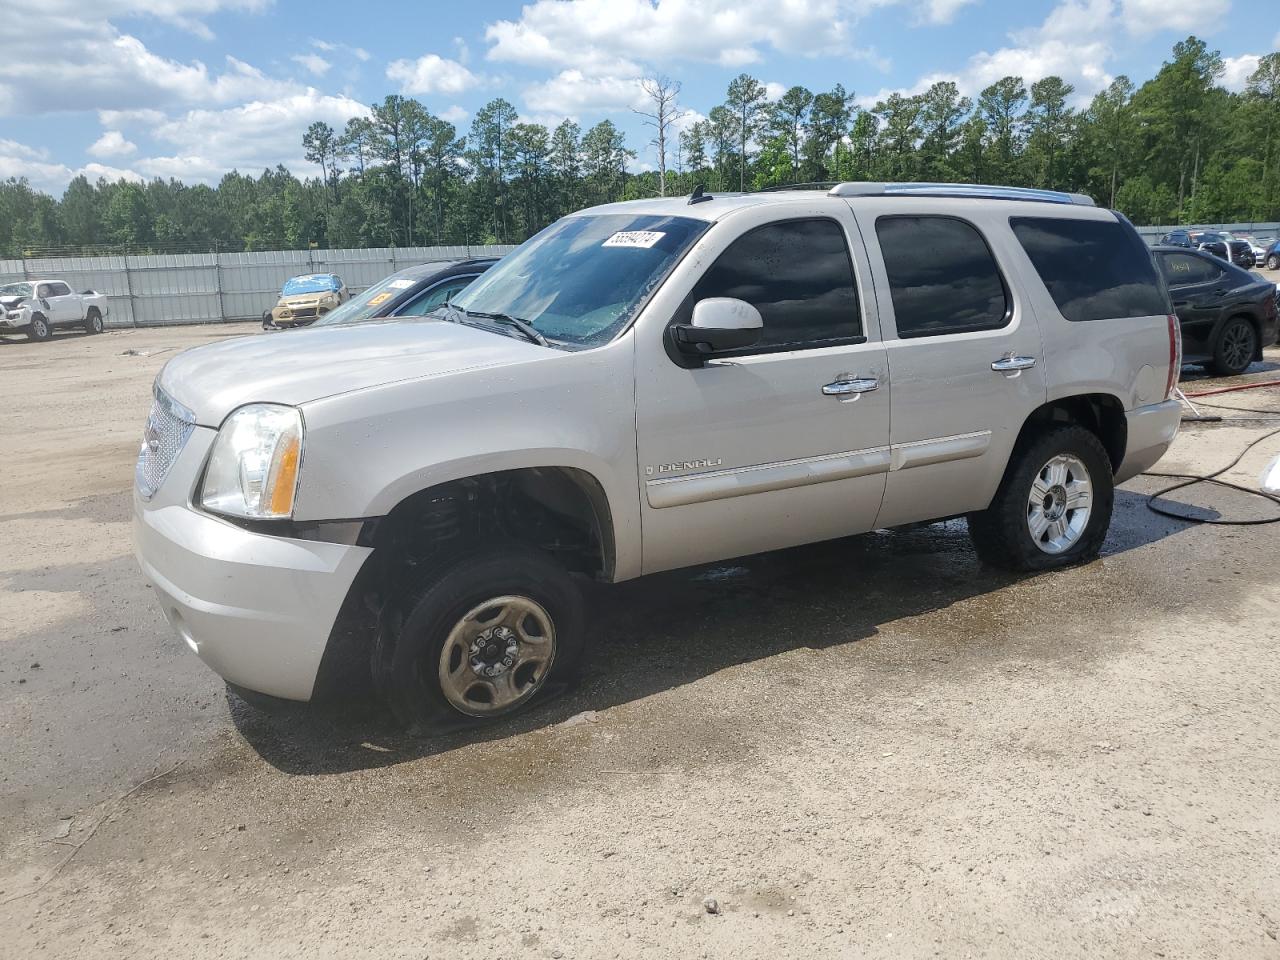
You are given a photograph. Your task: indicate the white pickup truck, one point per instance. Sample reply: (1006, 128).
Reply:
(38, 307)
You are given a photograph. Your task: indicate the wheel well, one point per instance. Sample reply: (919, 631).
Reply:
(561, 510)
(91, 311)
(1101, 413)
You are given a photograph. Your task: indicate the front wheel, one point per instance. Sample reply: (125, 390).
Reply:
(1273, 261)
(39, 328)
(1053, 506)
(483, 637)
(1235, 348)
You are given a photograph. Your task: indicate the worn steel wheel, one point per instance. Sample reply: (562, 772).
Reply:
(487, 633)
(497, 656)
(1236, 347)
(93, 321)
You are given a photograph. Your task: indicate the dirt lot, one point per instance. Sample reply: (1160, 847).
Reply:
(869, 748)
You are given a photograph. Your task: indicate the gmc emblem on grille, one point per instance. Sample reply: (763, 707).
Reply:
(151, 436)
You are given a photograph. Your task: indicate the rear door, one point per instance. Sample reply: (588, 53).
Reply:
(962, 347)
(1197, 288)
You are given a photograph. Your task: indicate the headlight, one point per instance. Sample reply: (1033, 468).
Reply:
(253, 470)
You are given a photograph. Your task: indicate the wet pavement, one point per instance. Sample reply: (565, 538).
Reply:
(869, 747)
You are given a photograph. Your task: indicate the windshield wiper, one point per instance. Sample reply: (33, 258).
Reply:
(524, 326)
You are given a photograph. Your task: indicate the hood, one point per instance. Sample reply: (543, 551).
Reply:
(11, 302)
(313, 363)
(305, 299)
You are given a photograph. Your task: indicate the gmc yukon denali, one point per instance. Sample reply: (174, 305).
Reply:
(639, 387)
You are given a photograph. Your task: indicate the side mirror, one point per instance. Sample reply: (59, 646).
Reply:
(718, 323)
(1271, 478)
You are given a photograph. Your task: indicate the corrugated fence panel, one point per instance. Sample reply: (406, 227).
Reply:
(207, 287)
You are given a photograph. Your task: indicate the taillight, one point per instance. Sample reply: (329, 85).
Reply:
(1175, 355)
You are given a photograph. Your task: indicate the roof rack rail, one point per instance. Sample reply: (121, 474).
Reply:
(974, 190)
(807, 185)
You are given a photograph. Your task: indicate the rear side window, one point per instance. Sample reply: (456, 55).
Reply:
(942, 276)
(1182, 269)
(1093, 269)
(798, 274)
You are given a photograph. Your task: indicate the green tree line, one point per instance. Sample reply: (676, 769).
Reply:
(1180, 148)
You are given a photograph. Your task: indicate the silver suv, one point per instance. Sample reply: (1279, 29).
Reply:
(639, 387)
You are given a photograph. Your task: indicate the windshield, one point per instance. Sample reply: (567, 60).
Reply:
(15, 290)
(582, 279)
(315, 283)
(369, 303)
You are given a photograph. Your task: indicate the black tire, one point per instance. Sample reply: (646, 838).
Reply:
(39, 328)
(406, 657)
(93, 321)
(1235, 347)
(1001, 534)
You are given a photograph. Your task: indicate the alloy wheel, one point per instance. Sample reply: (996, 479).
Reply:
(1059, 504)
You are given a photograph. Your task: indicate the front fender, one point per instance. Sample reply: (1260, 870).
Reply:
(367, 451)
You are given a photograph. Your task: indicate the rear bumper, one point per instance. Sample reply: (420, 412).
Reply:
(1151, 430)
(257, 609)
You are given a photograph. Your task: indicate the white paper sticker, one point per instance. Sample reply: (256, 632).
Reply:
(634, 238)
(400, 284)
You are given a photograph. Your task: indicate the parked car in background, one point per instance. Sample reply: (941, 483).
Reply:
(1271, 255)
(1178, 238)
(1258, 245)
(1220, 243)
(305, 299)
(38, 307)
(1227, 315)
(644, 386)
(413, 291)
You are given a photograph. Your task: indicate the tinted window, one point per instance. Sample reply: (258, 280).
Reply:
(1093, 269)
(797, 274)
(1181, 269)
(942, 276)
(59, 290)
(435, 297)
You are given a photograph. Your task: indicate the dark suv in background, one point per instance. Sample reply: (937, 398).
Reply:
(1219, 243)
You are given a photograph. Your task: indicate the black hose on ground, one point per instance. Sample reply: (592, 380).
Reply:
(1191, 480)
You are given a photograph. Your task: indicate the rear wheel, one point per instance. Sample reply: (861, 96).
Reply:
(1235, 348)
(1273, 261)
(39, 328)
(486, 635)
(93, 321)
(1053, 506)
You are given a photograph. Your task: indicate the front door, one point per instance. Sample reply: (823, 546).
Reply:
(783, 442)
(964, 352)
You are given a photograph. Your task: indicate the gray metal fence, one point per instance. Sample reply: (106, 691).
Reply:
(1153, 234)
(212, 287)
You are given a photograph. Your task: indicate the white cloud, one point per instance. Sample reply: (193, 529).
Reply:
(313, 63)
(1181, 16)
(329, 46)
(87, 64)
(774, 90)
(570, 93)
(97, 171)
(454, 114)
(589, 35)
(112, 144)
(942, 11)
(431, 74)
(249, 137)
(44, 173)
(1237, 70)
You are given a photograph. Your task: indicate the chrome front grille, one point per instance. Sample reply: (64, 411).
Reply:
(169, 426)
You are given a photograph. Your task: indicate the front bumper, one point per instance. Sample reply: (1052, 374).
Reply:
(14, 320)
(256, 608)
(1151, 430)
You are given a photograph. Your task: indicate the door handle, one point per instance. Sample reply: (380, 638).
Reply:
(1013, 364)
(850, 388)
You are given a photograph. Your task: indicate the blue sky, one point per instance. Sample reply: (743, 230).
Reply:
(194, 88)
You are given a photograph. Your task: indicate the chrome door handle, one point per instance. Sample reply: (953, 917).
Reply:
(850, 388)
(1013, 364)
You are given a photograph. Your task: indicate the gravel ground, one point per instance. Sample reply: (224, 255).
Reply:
(868, 748)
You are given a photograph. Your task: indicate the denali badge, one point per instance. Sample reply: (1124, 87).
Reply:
(702, 464)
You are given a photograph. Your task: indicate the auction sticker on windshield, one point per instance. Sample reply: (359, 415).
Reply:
(634, 238)
(400, 284)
